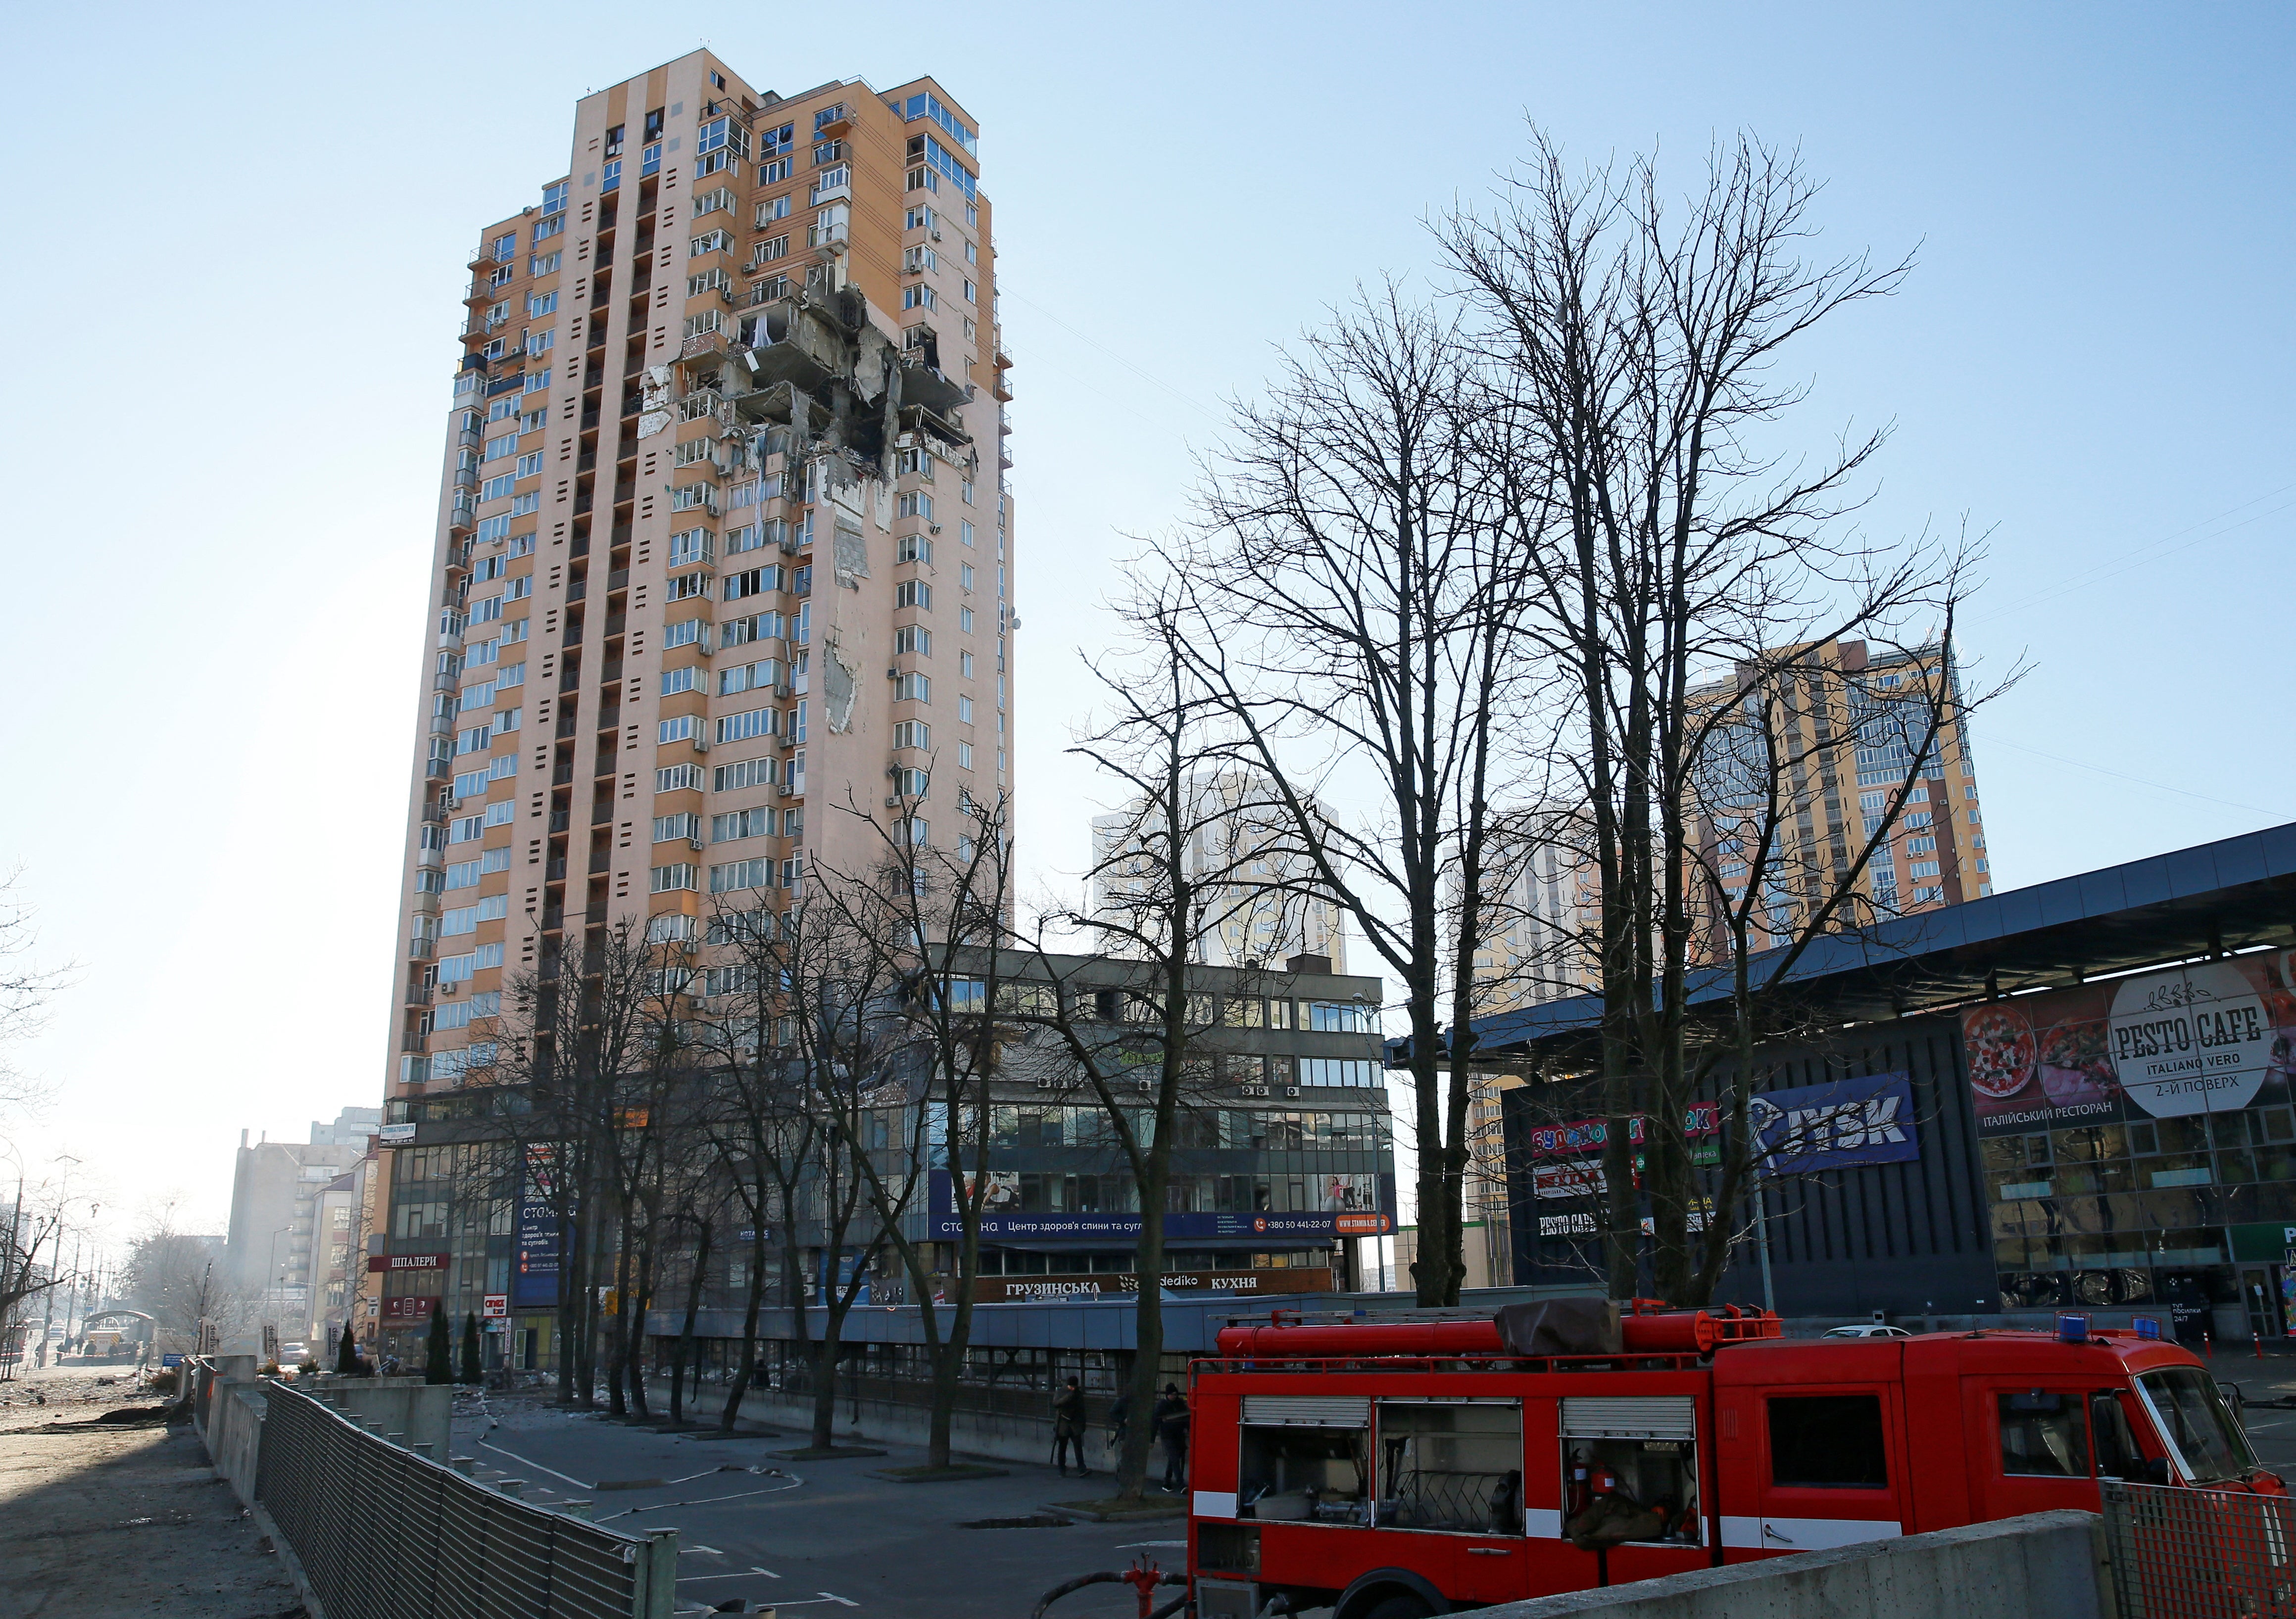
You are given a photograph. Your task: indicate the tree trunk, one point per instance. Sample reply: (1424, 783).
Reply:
(685, 1333)
(747, 1371)
(616, 1352)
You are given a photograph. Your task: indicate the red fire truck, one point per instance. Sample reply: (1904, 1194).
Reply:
(1395, 1469)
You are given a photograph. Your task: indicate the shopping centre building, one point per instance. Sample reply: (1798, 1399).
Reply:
(2074, 1095)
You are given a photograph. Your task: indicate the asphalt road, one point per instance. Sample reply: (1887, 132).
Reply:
(822, 1535)
(2272, 1433)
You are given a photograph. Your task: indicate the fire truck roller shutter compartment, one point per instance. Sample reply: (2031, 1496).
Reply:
(1452, 1465)
(1630, 1472)
(1304, 1459)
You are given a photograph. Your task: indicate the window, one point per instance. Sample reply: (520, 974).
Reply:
(913, 592)
(687, 633)
(2208, 1442)
(749, 773)
(919, 297)
(795, 732)
(740, 875)
(693, 497)
(753, 582)
(913, 503)
(742, 823)
(913, 548)
(968, 293)
(1457, 1468)
(912, 733)
(740, 727)
(964, 623)
(769, 212)
(681, 728)
(912, 688)
(964, 575)
(709, 241)
(1827, 1441)
(674, 681)
(914, 638)
(909, 783)
(766, 252)
(964, 707)
(554, 197)
(965, 530)
(2044, 1434)
(507, 445)
(666, 880)
(669, 828)
(543, 229)
(920, 258)
(540, 304)
(762, 676)
(965, 756)
(530, 465)
(691, 544)
(678, 777)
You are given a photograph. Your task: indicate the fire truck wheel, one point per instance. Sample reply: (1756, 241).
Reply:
(1403, 1605)
(1390, 1593)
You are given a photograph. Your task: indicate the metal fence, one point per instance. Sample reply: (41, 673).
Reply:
(2200, 1554)
(383, 1532)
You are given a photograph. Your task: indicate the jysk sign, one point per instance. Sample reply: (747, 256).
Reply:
(1843, 1125)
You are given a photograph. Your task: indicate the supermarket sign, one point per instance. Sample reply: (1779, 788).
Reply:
(1701, 1119)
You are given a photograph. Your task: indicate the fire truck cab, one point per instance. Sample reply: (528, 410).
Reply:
(1395, 1469)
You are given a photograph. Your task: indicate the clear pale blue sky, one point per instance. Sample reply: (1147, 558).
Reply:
(229, 380)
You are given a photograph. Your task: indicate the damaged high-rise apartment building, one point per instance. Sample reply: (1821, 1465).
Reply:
(724, 551)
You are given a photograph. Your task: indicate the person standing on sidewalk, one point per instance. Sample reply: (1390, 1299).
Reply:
(1068, 1428)
(1172, 1428)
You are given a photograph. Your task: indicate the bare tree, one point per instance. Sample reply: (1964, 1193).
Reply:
(948, 902)
(172, 1277)
(1632, 398)
(25, 990)
(585, 1036)
(1352, 602)
(1200, 849)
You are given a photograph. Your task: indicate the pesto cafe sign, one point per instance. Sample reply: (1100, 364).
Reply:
(2214, 1037)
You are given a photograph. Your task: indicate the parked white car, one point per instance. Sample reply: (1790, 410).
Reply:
(1865, 1330)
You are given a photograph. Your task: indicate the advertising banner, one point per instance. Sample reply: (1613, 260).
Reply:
(1351, 1207)
(1703, 1119)
(493, 1306)
(2214, 1037)
(407, 1261)
(1845, 1125)
(535, 1280)
(414, 1308)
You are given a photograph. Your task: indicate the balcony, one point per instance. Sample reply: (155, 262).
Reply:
(422, 949)
(706, 346)
(577, 590)
(418, 995)
(554, 871)
(600, 863)
(409, 1041)
(559, 820)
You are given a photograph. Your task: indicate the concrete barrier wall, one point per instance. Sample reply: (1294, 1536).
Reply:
(234, 1435)
(424, 1412)
(2048, 1565)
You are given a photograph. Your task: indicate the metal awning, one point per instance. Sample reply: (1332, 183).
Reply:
(2236, 894)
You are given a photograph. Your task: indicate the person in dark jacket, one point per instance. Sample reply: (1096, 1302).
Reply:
(1068, 1428)
(1119, 1420)
(1172, 1428)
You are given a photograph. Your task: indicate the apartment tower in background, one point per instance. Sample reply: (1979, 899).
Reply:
(1259, 901)
(724, 552)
